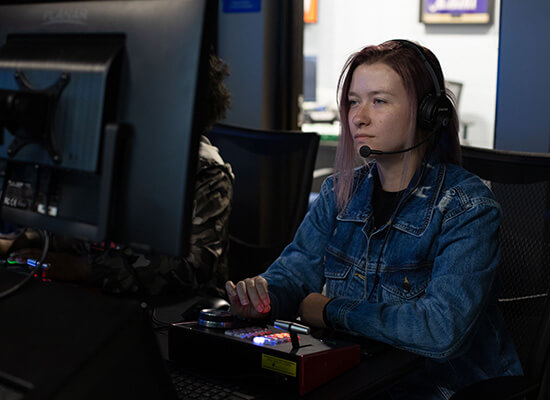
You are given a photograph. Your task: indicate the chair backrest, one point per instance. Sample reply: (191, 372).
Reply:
(521, 184)
(456, 88)
(273, 174)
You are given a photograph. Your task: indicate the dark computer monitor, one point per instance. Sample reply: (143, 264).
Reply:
(98, 106)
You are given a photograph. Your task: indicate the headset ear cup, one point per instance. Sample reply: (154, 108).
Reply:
(426, 111)
(434, 111)
(443, 112)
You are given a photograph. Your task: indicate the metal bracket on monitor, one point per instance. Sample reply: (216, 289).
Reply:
(28, 114)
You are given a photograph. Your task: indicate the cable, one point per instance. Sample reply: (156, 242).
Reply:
(13, 235)
(38, 266)
(159, 324)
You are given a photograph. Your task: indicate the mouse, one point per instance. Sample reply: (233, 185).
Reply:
(192, 312)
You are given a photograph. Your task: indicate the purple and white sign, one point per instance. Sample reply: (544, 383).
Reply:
(456, 6)
(456, 11)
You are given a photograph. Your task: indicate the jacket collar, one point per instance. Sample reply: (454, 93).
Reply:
(419, 198)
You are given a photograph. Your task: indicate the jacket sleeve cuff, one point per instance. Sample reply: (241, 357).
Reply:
(334, 313)
(326, 319)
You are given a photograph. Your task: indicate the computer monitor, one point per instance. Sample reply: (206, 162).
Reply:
(99, 102)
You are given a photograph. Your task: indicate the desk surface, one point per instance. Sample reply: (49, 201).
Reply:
(59, 341)
(372, 375)
(55, 329)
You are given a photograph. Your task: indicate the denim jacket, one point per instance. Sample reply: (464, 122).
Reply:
(424, 282)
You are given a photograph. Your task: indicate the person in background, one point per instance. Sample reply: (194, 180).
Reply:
(121, 270)
(404, 248)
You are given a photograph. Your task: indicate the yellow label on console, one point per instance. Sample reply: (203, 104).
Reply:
(279, 365)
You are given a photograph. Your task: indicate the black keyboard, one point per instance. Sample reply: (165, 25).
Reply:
(192, 386)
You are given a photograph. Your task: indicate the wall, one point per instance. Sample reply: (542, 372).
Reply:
(261, 41)
(468, 54)
(251, 99)
(522, 120)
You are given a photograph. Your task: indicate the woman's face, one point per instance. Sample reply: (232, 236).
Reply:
(379, 108)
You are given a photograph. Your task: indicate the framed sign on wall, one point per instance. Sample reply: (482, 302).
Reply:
(310, 11)
(466, 12)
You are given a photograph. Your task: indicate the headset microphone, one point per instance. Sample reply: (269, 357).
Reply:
(366, 151)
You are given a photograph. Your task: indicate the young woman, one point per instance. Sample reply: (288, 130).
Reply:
(403, 249)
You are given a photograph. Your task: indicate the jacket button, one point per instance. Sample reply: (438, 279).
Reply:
(406, 285)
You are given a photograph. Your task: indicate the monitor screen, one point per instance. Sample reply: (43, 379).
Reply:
(98, 106)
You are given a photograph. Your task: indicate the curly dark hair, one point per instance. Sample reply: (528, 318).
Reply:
(218, 98)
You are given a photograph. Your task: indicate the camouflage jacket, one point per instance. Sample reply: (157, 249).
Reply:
(122, 270)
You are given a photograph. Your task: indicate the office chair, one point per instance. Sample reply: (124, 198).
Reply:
(521, 183)
(456, 88)
(273, 174)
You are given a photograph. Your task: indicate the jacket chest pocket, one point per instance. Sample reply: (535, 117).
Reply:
(406, 284)
(337, 270)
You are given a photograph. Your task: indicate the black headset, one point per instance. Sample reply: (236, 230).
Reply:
(434, 109)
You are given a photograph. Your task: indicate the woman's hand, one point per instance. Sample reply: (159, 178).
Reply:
(249, 298)
(5, 246)
(311, 310)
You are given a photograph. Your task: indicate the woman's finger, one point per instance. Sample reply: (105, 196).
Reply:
(263, 293)
(242, 292)
(230, 289)
(254, 296)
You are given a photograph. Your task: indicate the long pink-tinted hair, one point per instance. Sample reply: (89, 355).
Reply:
(406, 62)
